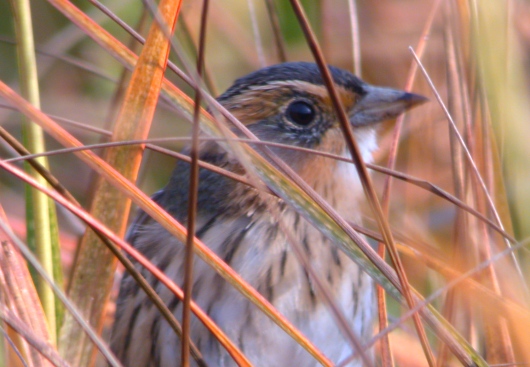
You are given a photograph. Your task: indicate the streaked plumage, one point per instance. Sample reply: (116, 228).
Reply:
(289, 104)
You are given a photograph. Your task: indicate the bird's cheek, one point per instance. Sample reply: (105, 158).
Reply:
(332, 141)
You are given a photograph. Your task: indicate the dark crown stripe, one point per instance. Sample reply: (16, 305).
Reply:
(291, 71)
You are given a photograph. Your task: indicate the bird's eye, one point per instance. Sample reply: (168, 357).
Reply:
(301, 113)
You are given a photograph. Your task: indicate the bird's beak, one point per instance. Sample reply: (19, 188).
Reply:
(379, 104)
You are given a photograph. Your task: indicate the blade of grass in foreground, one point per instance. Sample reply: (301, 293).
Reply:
(20, 296)
(41, 217)
(95, 261)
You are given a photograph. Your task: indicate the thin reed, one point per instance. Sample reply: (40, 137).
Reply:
(447, 204)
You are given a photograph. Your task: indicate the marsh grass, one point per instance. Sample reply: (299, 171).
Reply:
(458, 214)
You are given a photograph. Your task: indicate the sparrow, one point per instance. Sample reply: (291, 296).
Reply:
(289, 104)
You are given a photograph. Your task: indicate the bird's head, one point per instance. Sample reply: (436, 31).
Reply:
(289, 103)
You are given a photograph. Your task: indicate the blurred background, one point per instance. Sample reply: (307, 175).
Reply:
(79, 80)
